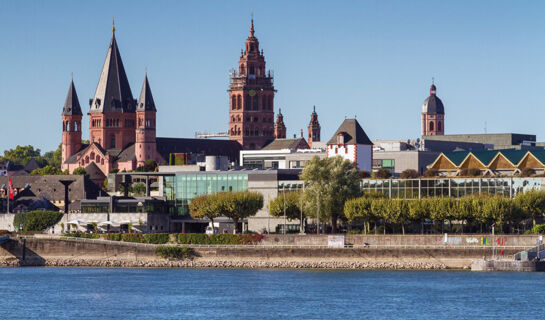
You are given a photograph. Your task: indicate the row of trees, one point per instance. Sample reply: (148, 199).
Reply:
(23, 154)
(234, 205)
(485, 210)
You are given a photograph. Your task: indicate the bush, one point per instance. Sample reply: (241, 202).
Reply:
(132, 237)
(364, 174)
(431, 173)
(156, 238)
(169, 252)
(383, 174)
(82, 235)
(37, 220)
(538, 229)
(409, 174)
(113, 236)
(222, 239)
(79, 170)
(472, 172)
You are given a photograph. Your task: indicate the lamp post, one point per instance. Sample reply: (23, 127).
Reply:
(284, 192)
(301, 231)
(318, 213)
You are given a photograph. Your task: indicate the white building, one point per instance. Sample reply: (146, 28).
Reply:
(351, 142)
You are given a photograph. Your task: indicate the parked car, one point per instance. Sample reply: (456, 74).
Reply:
(210, 230)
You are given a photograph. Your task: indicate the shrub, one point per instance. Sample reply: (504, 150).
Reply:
(364, 174)
(409, 174)
(132, 237)
(156, 238)
(37, 220)
(82, 235)
(431, 173)
(383, 174)
(538, 229)
(79, 170)
(114, 170)
(170, 252)
(113, 236)
(222, 239)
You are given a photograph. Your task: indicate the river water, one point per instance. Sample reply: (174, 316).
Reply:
(93, 293)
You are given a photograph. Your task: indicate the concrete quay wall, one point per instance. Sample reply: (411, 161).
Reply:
(66, 252)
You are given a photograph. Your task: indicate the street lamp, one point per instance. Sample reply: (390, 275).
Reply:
(284, 192)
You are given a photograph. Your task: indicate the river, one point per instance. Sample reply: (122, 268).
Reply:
(93, 293)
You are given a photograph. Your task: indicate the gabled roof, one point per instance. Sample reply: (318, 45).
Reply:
(73, 158)
(353, 133)
(456, 157)
(146, 98)
(126, 154)
(113, 93)
(292, 144)
(32, 165)
(71, 105)
(484, 156)
(94, 172)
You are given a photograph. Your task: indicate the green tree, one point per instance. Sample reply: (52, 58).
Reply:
(205, 207)
(532, 203)
(240, 205)
(293, 206)
(149, 166)
(139, 189)
(47, 170)
(397, 211)
(419, 210)
(409, 174)
(333, 181)
(54, 158)
(79, 170)
(359, 209)
(23, 154)
(383, 174)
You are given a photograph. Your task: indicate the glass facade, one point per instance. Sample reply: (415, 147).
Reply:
(456, 187)
(181, 188)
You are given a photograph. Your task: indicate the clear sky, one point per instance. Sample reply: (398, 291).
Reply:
(372, 59)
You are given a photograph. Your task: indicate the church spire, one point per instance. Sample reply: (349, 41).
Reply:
(252, 28)
(146, 98)
(71, 104)
(113, 93)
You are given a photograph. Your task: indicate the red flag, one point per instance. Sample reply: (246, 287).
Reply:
(10, 190)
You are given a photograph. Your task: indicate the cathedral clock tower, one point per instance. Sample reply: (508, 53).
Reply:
(251, 93)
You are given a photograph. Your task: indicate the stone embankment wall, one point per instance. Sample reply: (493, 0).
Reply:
(86, 252)
(453, 240)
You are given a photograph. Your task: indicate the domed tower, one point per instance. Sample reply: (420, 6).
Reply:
(279, 126)
(145, 147)
(71, 125)
(313, 128)
(433, 115)
(251, 95)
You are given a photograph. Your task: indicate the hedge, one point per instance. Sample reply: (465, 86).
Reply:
(82, 235)
(225, 238)
(37, 220)
(169, 252)
(538, 229)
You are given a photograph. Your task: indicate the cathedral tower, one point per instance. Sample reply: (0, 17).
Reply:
(145, 147)
(251, 96)
(313, 128)
(112, 110)
(279, 126)
(433, 115)
(71, 124)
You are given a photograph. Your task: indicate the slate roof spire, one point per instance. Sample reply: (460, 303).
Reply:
(71, 105)
(146, 103)
(113, 93)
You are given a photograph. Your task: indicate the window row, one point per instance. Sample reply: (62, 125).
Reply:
(73, 126)
(255, 102)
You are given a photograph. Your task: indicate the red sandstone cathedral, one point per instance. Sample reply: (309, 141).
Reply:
(122, 130)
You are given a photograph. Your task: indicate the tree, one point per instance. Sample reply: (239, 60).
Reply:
(54, 158)
(333, 181)
(240, 205)
(533, 203)
(47, 170)
(23, 154)
(397, 211)
(419, 211)
(138, 189)
(293, 206)
(205, 206)
(409, 174)
(149, 166)
(383, 174)
(79, 170)
(359, 209)
(431, 173)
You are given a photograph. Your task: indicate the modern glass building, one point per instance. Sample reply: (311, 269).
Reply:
(180, 188)
(450, 187)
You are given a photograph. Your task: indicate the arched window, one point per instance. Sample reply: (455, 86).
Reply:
(112, 142)
(431, 125)
(67, 125)
(76, 126)
(239, 101)
(233, 102)
(439, 126)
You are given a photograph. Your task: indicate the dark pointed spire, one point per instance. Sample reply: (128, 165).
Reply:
(314, 111)
(146, 103)
(113, 93)
(252, 28)
(71, 105)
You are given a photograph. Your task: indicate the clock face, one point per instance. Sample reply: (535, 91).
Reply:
(252, 93)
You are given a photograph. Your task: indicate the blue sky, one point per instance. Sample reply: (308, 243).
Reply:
(372, 59)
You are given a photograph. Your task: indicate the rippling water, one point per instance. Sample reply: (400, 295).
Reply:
(92, 293)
